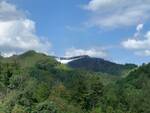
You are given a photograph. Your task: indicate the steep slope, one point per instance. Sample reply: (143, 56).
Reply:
(128, 95)
(100, 65)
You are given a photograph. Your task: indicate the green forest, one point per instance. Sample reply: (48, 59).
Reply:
(36, 83)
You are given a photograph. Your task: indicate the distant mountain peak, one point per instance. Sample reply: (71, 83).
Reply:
(100, 65)
(30, 52)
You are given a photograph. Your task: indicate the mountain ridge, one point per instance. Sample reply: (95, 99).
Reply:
(36, 83)
(83, 62)
(100, 65)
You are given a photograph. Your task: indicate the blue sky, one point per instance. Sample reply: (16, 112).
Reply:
(93, 27)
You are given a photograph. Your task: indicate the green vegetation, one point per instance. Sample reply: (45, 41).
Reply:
(36, 83)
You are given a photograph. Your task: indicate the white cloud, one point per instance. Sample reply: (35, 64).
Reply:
(136, 44)
(143, 53)
(95, 5)
(17, 32)
(9, 12)
(138, 29)
(139, 45)
(93, 52)
(117, 13)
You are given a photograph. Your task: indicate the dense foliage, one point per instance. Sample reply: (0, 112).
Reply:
(36, 83)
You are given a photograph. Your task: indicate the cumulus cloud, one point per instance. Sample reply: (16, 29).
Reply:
(17, 32)
(93, 52)
(9, 12)
(117, 13)
(141, 45)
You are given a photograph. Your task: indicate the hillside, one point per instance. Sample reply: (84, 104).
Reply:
(100, 65)
(133, 91)
(37, 83)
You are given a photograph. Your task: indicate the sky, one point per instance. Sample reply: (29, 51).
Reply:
(116, 30)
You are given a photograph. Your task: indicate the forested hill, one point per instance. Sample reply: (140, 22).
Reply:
(37, 83)
(100, 65)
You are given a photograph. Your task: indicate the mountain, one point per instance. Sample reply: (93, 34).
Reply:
(36, 83)
(100, 65)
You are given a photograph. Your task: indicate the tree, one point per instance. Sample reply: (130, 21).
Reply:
(46, 107)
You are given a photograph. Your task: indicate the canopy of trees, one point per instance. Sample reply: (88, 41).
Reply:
(36, 83)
